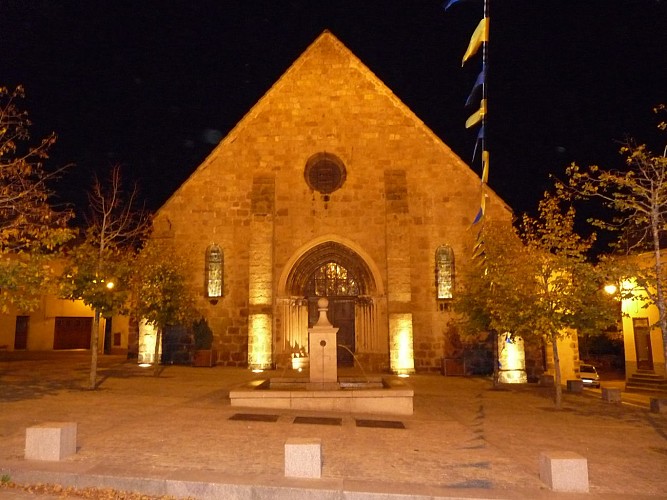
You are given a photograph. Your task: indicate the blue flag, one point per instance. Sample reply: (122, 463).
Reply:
(447, 5)
(481, 79)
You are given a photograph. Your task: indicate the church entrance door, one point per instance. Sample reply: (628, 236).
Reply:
(339, 286)
(341, 316)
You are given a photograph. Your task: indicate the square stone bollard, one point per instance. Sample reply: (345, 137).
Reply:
(611, 394)
(658, 405)
(576, 386)
(303, 457)
(546, 380)
(564, 471)
(50, 441)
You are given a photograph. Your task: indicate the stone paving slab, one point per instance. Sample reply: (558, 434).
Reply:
(174, 433)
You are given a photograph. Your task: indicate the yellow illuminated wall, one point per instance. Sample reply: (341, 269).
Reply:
(260, 295)
(635, 305)
(259, 342)
(401, 348)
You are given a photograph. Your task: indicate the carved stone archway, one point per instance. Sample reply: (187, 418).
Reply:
(293, 327)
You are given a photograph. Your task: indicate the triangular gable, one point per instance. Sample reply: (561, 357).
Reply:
(329, 50)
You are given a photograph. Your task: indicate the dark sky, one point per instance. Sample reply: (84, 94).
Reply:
(153, 85)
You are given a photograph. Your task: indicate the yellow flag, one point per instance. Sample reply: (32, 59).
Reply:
(480, 35)
(477, 116)
(485, 167)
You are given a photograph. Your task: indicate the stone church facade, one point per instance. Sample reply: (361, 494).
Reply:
(329, 186)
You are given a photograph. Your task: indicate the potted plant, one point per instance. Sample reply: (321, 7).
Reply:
(203, 354)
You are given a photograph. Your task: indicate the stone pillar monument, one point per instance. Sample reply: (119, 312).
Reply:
(322, 350)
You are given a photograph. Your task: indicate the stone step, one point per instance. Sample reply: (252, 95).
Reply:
(648, 380)
(647, 376)
(661, 390)
(649, 386)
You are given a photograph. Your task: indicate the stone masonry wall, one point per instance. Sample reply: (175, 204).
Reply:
(329, 102)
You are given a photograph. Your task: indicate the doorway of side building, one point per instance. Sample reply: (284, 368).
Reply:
(339, 286)
(21, 333)
(643, 349)
(72, 333)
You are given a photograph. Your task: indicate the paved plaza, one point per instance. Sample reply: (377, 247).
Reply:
(177, 434)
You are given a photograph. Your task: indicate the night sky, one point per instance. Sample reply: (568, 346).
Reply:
(154, 85)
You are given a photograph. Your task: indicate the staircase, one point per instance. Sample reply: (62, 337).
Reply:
(644, 380)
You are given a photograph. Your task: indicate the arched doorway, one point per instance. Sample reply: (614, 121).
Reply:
(333, 270)
(339, 285)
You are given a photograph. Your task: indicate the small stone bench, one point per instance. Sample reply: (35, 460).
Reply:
(575, 385)
(564, 471)
(303, 457)
(50, 441)
(611, 394)
(658, 405)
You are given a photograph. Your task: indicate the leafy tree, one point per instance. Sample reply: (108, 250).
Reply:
(637, 194)
(31, 230)
(162, 295)
(100, 266)
(537, 283)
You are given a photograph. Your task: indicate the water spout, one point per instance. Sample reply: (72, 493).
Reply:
(356, 359)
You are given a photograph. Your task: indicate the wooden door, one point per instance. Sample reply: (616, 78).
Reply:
(341, 316)
(72, 333)
(643, 349)
(21, 333)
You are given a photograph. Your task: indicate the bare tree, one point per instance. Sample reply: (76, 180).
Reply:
(101, 266)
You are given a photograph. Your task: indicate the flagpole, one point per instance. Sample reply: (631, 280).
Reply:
(485, 57)
(485, 69)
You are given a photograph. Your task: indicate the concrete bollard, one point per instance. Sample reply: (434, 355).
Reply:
(658, 405)
(575, 385)
(50, 441)
(611, 394)
(564, 471)
(547, 380)
(303, 457)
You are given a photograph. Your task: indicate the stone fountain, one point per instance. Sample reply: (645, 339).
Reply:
(323, 390)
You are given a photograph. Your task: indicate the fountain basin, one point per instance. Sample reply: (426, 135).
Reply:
(382, 395)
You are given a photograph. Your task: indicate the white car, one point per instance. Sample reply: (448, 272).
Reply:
(589, 375)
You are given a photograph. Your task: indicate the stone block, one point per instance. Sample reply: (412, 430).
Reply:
(50, 441)
(303, 457)
(611, 394)
(658, 405)
(547, 380)
(575, 385)
(564, 471)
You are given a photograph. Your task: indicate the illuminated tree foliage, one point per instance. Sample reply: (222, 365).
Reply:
(115, 230)
(31, 230)
(637, 194)
(162, 295)
(537, 283)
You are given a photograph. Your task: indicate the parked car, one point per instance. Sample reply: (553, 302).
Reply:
(589, 375)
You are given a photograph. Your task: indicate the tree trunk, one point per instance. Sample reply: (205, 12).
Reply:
(496, 361)
(558, 394)
(156, 359)
(94, 337)
(660, 295)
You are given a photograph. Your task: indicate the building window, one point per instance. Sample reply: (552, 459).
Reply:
(214, 271)
(332, 280)
(325, 173)
(444, 272)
